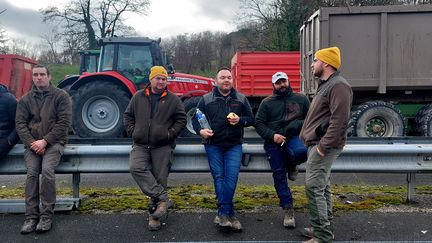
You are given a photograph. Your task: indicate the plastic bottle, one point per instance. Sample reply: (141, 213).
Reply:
(202, 119)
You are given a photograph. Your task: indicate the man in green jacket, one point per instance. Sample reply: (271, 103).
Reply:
(278, 121)
(43, 118)
(324, 133)
(154, 118)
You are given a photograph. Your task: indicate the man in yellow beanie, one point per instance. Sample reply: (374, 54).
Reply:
(324, 133)
(154, 118)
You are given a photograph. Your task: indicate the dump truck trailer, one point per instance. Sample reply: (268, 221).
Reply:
(386, 57)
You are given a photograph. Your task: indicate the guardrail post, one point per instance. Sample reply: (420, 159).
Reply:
(411, 186)
(76, 178)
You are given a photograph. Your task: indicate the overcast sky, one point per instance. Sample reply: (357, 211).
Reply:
(165, 18)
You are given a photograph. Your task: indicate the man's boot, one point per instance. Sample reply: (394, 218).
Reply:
(289, 220)
(29, 226)
(44, 225)
(153, 224)
(292, 172)
(161, 210)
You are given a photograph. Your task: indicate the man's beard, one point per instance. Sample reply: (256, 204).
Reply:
(282, 91)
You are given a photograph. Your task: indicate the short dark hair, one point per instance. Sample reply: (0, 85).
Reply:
(222, 68)
(41, 66)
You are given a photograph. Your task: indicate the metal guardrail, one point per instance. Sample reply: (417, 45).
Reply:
(401, 158)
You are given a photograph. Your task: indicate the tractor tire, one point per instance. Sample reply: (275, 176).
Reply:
(376, 119)
(190, 108)
(98, 109)
(423, 121)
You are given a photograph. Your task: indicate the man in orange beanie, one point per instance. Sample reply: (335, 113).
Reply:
(324, 133)
(154, 118)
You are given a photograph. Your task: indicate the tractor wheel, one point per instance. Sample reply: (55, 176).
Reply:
(423, 121)
(376, 119)
(190, 108)
(98, 109)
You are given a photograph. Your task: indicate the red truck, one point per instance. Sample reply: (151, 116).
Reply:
(16, 73)
(252, 72)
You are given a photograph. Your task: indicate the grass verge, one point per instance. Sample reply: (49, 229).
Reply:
(201, 197)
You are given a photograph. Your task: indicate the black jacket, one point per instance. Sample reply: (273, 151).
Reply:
(281, 114)
(216, 108)
(8, 106)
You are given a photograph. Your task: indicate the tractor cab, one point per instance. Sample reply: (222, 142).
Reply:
(89, 60)
(131, 57)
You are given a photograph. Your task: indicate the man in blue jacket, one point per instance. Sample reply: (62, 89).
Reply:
(8, 135)
(227, 111)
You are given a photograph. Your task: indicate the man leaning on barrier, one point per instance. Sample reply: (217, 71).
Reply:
(278, 121)
(43, 118)
(228, 111)
(8, 135)
(324, 133)
(154, 118)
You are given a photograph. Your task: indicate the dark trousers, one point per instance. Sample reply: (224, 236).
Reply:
(46, 194)
(150, 169)
(277, 157)
(5, 147)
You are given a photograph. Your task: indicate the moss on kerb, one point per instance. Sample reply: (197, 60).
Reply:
(201, 197)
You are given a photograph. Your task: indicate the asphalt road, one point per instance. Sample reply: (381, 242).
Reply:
(264, 226)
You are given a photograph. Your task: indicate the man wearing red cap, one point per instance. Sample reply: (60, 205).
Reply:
(324, 133)
(154, 118)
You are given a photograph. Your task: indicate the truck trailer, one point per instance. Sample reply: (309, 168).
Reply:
(386, 57)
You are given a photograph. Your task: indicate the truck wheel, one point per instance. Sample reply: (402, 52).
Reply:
(98, 110)
(423, 121)
(190, 108)
(377, 119)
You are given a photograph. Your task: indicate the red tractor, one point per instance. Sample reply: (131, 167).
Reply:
(100, 98)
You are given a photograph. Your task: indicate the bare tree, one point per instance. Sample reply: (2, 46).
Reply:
(94, 18)
(197, 52)
(24, 48)
(3, 41)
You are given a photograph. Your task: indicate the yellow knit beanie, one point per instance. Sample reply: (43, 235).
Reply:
(330, 56)
(158, 70)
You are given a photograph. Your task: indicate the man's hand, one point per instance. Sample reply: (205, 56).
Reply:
(206, 133)
(279, 139)
(39, 146)
(233, 118)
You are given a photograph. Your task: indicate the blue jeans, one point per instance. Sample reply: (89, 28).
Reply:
(224, 166)
(277, 158)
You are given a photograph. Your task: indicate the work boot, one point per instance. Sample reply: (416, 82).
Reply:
(308, 232)
(223, 221)
(28, 226)
(153, 224)
(161, 210)
(289, 220)
(235, 223)
(292, 172)
(44, 225)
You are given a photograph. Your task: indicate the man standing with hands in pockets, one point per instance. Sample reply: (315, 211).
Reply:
(324, 133)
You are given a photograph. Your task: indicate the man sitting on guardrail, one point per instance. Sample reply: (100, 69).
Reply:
(154, 118)
(8, 135)
(43, 118)
(324, 133)
(278, 121)
(228, 111)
